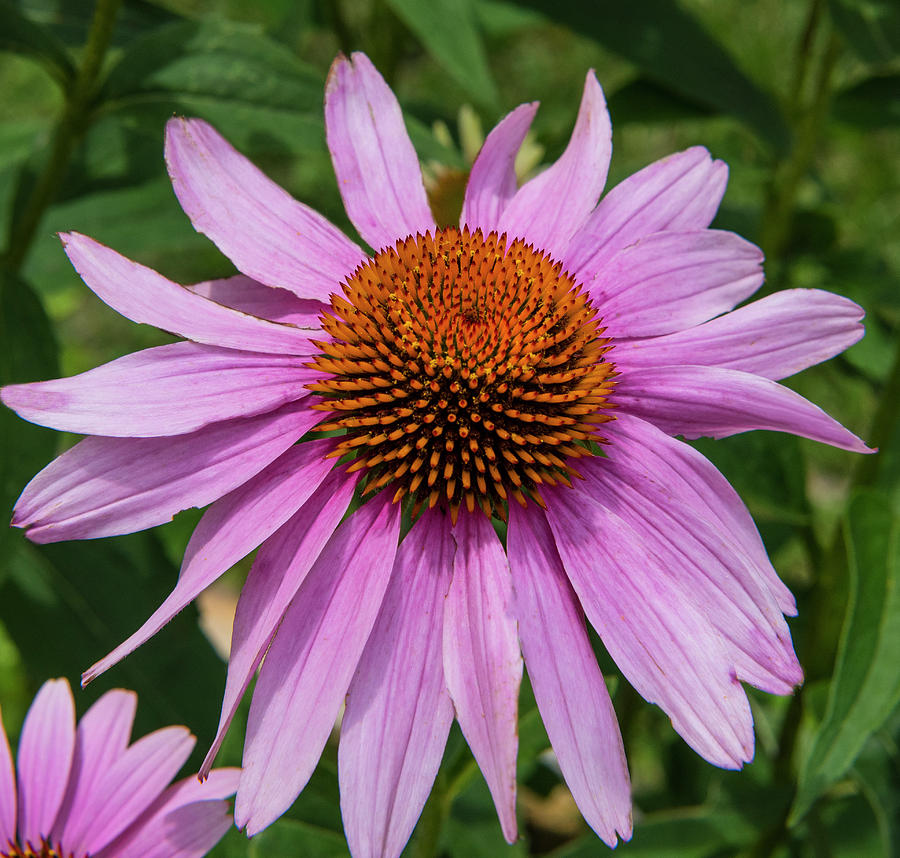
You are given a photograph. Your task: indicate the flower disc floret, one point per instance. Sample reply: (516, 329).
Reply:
(465, 369)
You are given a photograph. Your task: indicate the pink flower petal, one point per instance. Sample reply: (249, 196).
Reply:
(7, 790)
(482, 663)
(277, 573)
(550, 208)
(108, 486)
(128, 787)
(46, 746)
(264, 231)
(672, 280)
(492, 181)
(229, 530)
(208, 383)
(310, 663)
(186, 821)
(700, 400)
(377, 168)
(568, 685)
(678, 192)
(142, 295)
(663, 646)
(267, 302)
(398, 712)
(699, 484)
(101, 738)
(775, 337)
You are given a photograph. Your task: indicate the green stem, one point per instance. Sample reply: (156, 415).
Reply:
(69, 129)
(431, 822)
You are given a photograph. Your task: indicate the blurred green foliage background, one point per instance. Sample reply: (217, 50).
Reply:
(800, 97)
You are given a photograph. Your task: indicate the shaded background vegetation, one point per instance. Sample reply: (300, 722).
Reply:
(800, 97)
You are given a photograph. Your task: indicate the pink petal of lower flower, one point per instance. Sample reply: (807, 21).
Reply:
(277, 573)
(142, 295)
(568, 685)
(229, 530)
(264, 231)
(101, 738)
(663, 646)
(672, 280)
(7, 790)
(548, 209)
(44, 760)
(377, 168)
(774, 337)
(309, 665)
(208, 383)
(107, 486)
(700, 484)
(482, 662)
(492, 181)
(701, 400)
(267, 302)
(398, 712)
(678, 192)
(128, 787)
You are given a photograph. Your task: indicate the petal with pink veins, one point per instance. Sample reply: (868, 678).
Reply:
(492, 181)
(568, 686)
(377, 169)
(482, 662)
(44, 760)
(132, 397)
(309, 665)
(261, 228)
(266, 302)
(144, 296)
(678, 192)
(7, 790)
(107, 486)
(549, 209)
(398, 713)
(699, 400)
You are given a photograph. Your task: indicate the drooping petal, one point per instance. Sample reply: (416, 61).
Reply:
(672, 280)
(492, 181)
(550, 208)
(774, 337)
(101, 738)
(377, 168)
(665, 648)
(186, 821)
(701, 400)
(44, 760)
(267, 302)
(310, 663)
(280, 568)
(482, 663)
(128, 787)
(229, 530)
(678, 192)
(568, 685)
(398, 713)
(7, 790)
(142, 295)
(261, 228)
(135, 396)
(107, 486)
(700, 484)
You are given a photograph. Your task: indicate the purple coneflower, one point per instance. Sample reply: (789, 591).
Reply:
(531, 365)
(87, 792)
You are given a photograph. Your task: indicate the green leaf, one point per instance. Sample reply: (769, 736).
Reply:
(449, 31)
(872, 27)
(872, 103)
(20, 35)
(646, 101)
(672, 49)
(875, 772)
(290, 837)
(866, 684)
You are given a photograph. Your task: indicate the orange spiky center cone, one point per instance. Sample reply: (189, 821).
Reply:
(465, 370)
(43, 850)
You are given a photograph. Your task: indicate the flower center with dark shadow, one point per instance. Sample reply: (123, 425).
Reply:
(466, 370)
(42, 850)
